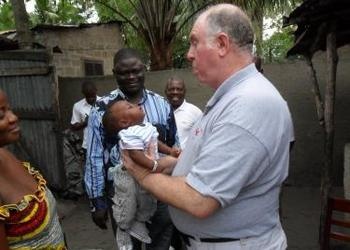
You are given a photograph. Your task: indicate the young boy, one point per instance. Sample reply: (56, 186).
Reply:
(133, 206)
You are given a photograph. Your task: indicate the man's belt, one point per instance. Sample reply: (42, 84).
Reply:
(187, 238)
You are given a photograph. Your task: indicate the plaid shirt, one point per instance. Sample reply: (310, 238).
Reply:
(157, 111)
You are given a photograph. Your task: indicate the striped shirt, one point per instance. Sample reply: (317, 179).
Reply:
(157, 111)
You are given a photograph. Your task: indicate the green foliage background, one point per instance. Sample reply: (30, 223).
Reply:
(273, 49)
(7, 21)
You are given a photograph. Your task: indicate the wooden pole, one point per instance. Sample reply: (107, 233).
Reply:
(316, 91)
(329, 100)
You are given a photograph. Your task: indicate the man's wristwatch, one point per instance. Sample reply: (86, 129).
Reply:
(155, 166)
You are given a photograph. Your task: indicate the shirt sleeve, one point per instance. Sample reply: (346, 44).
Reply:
(130, 139)
(75, 115)
(230, 160)
(94, 171)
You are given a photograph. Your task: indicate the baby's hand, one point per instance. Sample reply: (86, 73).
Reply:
(175, 152)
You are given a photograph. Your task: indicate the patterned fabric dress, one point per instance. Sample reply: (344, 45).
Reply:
(33, 222)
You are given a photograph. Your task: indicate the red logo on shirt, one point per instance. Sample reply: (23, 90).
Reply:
(198, 131)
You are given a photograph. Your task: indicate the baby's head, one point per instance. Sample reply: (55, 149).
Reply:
(121, 114)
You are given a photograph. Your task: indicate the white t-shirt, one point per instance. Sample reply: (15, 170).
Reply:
(81, 110)
(142, 137)
(186, 116)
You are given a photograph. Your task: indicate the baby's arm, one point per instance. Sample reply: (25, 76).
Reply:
(165, 149)
(139, 157)
(163, 165)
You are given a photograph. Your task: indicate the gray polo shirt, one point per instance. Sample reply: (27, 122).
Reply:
(238, 153)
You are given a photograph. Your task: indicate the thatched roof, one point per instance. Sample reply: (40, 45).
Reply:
(315, 19)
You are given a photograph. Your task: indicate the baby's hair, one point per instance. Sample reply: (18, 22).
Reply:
(108, 120)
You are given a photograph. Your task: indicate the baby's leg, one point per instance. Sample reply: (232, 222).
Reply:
(146, 204)
(125, 203)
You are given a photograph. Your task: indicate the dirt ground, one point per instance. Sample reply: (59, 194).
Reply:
(300, 219)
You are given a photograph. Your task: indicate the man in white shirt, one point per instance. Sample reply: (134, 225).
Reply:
(81, 109)
(186, 114)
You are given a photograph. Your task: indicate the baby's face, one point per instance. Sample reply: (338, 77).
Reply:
(132, 112)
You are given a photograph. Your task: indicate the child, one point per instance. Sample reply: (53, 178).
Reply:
(133, 206)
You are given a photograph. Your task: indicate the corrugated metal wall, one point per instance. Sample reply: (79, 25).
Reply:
(31, 86)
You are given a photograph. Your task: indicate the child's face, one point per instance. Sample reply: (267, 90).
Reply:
(134, 113)
(131, 113)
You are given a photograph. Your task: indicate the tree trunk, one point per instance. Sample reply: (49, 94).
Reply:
(326, 181)
(161, 57)
(257, 22)
(24, 34)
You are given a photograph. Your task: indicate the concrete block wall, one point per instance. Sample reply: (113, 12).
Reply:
(293, 82)
(96, 42)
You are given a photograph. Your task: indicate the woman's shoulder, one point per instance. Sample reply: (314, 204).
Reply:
(9, 163)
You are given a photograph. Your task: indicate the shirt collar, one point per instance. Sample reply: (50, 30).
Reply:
(182, 106)
(229, 83)
(85, 103)
(143, 99)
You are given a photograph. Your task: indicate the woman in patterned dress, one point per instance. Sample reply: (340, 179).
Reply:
(28, 216)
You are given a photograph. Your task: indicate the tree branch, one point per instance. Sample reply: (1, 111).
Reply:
(316, 91)
(126, 19)
(190, 16)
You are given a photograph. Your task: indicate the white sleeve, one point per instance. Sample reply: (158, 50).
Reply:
(130, 140)
(76, 116)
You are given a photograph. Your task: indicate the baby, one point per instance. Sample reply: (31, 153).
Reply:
(133, 206)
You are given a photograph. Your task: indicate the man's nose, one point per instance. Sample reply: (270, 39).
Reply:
(131, 75)
(189, 55)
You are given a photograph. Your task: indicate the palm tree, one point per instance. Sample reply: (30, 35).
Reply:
(7, 21)
(157, 22)
(24, 34)
(59, 12)
(258, 9)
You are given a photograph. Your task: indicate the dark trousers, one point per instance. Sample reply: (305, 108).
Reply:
(176, 241)
(160, 230)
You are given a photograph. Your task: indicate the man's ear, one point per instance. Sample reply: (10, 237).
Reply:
(223, 43)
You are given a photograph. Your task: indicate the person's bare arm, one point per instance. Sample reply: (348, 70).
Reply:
(172, 190)
(79, 125)
(164, 165)
(165, 149)
(138, 156)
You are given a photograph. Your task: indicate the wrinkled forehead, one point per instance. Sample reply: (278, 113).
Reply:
(199, 26)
